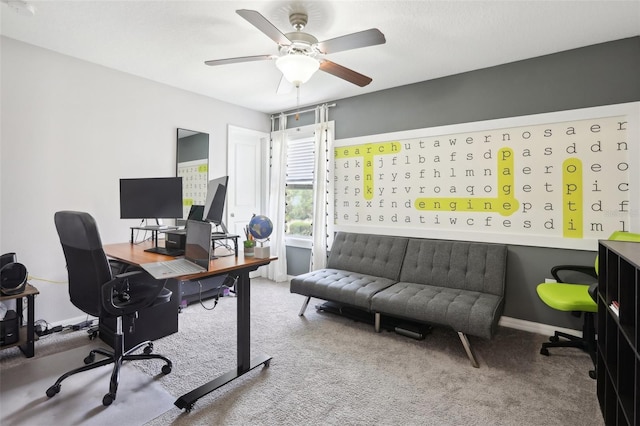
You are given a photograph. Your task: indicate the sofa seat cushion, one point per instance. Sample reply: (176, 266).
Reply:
(470, 312)
(346, 287)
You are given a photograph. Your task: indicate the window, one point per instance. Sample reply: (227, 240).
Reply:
(299, 190)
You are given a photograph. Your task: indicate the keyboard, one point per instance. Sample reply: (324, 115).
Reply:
(182, 266)
(172, 268)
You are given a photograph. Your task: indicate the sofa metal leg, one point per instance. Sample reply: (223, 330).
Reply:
(377, 322)
(304, 306)
(467, 348)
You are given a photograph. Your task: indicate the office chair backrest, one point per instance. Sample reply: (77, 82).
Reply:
(87, 265)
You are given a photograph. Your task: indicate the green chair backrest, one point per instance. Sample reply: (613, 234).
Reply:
(625, 236)
(621, 236)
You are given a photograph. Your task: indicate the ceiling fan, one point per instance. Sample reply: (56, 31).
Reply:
(300, 54)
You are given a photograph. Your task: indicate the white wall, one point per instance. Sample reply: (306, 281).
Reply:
(70, 130)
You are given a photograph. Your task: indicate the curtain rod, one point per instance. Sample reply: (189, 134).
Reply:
(300, 112)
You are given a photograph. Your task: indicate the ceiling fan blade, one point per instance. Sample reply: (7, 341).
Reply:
(240, 59)
(365, 38)
(261, 23)
(345, 73)
(284, 86)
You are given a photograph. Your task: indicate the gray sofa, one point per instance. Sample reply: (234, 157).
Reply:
(448, 283)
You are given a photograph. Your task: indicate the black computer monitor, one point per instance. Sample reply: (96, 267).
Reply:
(216, 197)
(151, 198)
(196, 212)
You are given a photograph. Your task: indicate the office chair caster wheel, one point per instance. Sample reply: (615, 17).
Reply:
(554, 339)
(544, 351)
(592, 374)
(166, 369)
(53, 390)
(108, 399)
(89, 358)
(148, 349)
(267, 363)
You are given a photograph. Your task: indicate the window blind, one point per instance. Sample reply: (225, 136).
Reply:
(300, 161)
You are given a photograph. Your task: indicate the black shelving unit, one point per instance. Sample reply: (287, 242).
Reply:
(618, 369)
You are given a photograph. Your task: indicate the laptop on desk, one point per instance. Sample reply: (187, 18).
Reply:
(197, 254)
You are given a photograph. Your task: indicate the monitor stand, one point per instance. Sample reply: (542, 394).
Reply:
(155, 230)
(224, 231)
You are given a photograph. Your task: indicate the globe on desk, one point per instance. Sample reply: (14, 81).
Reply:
(261, 228)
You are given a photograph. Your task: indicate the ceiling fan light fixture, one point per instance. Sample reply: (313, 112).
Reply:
(297, 69)
(21, 7)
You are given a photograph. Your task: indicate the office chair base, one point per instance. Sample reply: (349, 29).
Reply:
(112, 358)
(587, 343)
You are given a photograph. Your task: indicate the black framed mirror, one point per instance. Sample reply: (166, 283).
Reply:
(192, 164)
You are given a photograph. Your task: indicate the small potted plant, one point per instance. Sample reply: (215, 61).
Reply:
(249, 243)
(248, 247)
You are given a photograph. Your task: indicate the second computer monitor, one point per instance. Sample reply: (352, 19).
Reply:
(216, 197)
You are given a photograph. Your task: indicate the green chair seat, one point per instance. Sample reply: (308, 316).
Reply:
(567, 297)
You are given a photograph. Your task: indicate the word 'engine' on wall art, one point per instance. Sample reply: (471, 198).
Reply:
(563, 179)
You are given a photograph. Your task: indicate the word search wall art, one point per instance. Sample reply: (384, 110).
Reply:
(563, 179)
(195, 175)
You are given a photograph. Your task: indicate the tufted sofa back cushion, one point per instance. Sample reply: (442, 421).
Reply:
(368, 254)
(466, 266)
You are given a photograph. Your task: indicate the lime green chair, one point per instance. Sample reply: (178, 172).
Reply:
(579, 299)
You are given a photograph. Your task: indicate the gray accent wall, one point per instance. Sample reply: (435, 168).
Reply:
(602, 74)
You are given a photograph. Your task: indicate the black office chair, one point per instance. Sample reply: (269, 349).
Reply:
(94, 290)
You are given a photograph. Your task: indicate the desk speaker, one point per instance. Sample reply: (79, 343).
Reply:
(13, 276)
(9, 330)
(175, 240)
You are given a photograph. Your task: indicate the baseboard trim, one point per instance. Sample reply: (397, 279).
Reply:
(72, 321)
(535, 327)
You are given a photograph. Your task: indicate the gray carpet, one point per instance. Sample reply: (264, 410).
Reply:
(23, 400)
(332, 370)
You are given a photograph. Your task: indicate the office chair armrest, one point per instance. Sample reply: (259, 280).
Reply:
(587, 270)
(130, 292)
(118, 267)
(593, 292)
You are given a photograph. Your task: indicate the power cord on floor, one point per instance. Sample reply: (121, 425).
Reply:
(43, 328)
(224, 285)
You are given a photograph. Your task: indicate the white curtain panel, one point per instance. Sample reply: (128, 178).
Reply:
(277, 271)
(321, 187)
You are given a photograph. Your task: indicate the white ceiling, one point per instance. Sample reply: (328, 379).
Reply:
(168, 41)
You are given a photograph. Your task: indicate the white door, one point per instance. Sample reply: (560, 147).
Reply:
(247, 150)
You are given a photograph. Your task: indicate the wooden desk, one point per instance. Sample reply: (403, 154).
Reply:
(241, 266)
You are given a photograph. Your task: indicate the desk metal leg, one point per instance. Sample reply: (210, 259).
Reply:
(28, 347)
(245, 363)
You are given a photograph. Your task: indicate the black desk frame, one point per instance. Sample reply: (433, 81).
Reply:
(245, 363)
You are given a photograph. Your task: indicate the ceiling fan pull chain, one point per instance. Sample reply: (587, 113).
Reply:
(298, 102)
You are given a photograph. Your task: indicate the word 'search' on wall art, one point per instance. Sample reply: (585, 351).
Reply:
(562, 179)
